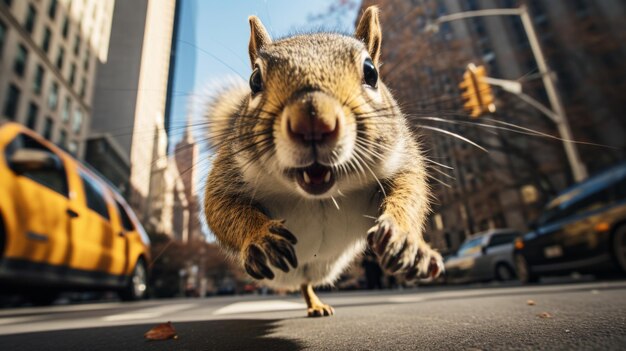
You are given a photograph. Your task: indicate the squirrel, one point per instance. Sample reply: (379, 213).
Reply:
(314, 161)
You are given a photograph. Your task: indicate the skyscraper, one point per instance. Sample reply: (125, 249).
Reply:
(131, 90)
(49, 51)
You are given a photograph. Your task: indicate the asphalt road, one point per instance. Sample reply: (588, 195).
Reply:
(583, 316)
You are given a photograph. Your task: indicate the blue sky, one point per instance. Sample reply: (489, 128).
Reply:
(213, 41)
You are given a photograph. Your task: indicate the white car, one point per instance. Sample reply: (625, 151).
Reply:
(483, 257)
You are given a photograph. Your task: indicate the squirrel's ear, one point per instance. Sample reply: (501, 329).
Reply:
(258, 38)
(369, 32)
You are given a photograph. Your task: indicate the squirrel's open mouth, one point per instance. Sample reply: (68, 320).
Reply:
(315, 179)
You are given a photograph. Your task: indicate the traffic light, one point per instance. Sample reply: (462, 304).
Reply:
(476, 92)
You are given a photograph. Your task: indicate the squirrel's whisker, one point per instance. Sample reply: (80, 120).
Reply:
(427, 159)
(443, 131)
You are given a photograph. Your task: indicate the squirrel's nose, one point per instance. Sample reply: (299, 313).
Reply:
(313, 119)
(302, 128)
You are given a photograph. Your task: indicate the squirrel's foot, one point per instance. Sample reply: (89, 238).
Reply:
(316, 308)
(275, 248)
(400, 252)
(320, 310)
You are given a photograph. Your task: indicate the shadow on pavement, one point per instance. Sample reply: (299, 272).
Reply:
(235, 334)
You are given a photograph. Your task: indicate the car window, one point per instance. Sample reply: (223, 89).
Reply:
(54, 179)
(470, 247)
(94, 194)
(502, 239)
(590, 202)
(593, 194)
(127, 224)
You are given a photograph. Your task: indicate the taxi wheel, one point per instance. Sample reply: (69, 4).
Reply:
(42, 298)
(137, 286)
(619, 247)
(524, 273)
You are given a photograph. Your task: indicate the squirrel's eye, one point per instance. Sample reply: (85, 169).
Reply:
(370, 74)
(256, 83)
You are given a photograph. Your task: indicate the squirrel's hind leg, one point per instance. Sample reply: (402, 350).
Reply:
(315, 307)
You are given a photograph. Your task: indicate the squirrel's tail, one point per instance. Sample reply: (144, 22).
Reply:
(225, 100)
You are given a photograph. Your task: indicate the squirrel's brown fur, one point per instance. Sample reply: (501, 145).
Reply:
(307, 155)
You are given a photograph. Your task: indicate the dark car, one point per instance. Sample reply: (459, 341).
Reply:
(583, 229)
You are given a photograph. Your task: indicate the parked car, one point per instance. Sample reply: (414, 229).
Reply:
(583, 229)
(61, 226)
(483, 257)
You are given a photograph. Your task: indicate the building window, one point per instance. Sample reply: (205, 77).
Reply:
(53, 97)
(76, 45)
(38, 81)
(3, 34)
(77, 123)
(86, 62)
(11, 102)
(45, 43)
(31, 16)
(31, 118)
(63, 139)
(60, 57)
(83, 87)
(72, 77)
(20, 60)
(66, 27)
(47, 128)
(67, 108)
(52, 9)
(72, 147)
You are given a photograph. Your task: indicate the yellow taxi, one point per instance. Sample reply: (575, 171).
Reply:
(61, 226)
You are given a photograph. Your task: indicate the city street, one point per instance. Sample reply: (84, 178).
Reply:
(580, 316)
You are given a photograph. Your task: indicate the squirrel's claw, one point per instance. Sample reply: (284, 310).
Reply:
(256, 264)
(276, 249)
(431, 267)
(399, 252)
(378, 236)
(281, 231)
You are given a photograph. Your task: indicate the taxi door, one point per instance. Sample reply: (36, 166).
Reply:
(36, 182)
(118, 251)
(95, 233)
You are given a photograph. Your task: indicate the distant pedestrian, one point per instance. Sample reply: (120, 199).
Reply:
(373, 272)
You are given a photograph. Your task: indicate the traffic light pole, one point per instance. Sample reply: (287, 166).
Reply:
(579, 171)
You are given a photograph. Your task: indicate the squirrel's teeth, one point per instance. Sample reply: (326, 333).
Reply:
(327, 177)
(307, 179)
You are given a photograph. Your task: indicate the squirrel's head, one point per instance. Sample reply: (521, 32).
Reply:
(318, 118)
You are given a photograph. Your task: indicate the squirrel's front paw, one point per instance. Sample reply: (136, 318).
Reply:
(400, 252)
(275, 248)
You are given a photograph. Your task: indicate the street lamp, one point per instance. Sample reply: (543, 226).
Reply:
(579, 171)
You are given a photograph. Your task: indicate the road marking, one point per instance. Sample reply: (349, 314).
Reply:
(63, 308)
(15, 320)
(147, 313)
(259, 306)
(405, 299)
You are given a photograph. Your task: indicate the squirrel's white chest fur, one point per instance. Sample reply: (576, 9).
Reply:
(328, 238)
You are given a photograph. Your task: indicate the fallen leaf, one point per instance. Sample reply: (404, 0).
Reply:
(161, 332)
(544, 315)
(530, 302)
